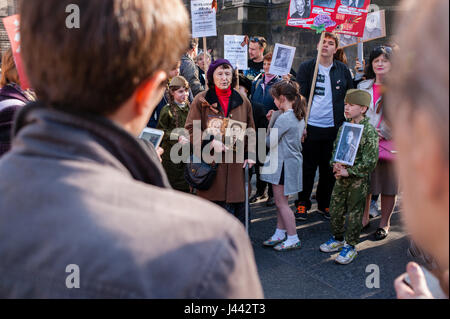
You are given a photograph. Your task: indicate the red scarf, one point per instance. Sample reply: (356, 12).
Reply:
(224, 99)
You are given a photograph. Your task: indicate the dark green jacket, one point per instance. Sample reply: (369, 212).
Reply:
(172, 117)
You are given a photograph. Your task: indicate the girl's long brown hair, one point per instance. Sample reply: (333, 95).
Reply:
(291, 90)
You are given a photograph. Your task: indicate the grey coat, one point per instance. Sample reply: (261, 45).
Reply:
(285, 149)
(78, 191)
(189, 71)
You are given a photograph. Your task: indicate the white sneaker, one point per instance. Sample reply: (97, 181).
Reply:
(332, 245)
(374, 209)
(347, 255)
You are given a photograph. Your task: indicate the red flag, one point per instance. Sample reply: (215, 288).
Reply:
(214, 5)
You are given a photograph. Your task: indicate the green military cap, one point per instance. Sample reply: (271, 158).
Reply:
(359, 97)
(179, 81)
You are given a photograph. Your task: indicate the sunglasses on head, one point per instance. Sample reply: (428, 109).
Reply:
(256, 39)
(383, 48)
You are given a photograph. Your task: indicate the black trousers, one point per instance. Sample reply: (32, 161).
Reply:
(260, 185)
(235, 209)
(317, 152)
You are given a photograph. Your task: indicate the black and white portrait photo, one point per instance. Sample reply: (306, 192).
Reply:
(283, 57)
(353, 3)
(300, 9)
(325, 3)
(375, 28)
(235, 132)
(349, 143)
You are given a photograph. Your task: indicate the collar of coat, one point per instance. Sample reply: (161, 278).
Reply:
(95, 138)
(235, 100)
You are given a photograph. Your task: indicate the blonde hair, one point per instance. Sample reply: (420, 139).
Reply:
(9, 70)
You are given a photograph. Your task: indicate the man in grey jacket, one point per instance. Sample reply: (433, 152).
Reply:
(85, 210)
(189, 70)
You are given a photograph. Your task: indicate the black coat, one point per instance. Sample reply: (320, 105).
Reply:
(341, 82)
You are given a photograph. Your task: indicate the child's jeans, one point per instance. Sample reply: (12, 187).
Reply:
(349, 196)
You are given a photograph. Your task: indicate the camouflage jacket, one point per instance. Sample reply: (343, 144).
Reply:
(367, 155)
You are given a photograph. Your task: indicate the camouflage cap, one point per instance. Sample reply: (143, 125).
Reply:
(179, 81)
(359, 97)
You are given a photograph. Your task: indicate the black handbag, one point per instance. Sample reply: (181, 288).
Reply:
(200, 175)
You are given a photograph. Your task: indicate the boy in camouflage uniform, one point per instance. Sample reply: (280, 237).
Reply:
(352, 185)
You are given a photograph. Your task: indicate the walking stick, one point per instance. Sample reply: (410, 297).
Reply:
(247, 212)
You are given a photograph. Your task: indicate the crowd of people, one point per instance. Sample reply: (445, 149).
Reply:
(78, 168)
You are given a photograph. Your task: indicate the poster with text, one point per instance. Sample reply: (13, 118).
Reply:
(340, 16)
(12, 26)
(236, 51)
(203, 15)
(375, 28)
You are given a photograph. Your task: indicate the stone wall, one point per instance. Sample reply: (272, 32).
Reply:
(7, 8)
(268, 18)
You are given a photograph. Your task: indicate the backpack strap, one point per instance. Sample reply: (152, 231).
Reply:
(10, 102)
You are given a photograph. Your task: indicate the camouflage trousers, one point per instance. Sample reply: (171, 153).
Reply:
(349, 196)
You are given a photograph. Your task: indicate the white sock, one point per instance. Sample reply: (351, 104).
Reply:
(292, 240)
(279, 234)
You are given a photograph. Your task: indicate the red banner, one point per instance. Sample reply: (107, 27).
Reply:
(12, 26)
(340, 16)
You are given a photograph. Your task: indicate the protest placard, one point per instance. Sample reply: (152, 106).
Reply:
(283, 57)
(236, 51)
(340, 16)
(12, 26)
(375, 28)
(203, 14)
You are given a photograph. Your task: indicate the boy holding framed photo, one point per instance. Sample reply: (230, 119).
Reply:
(352, 185)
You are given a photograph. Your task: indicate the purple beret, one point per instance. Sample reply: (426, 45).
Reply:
(214, 66)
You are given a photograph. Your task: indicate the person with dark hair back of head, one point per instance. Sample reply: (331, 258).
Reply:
(88, 194)
(188, 68)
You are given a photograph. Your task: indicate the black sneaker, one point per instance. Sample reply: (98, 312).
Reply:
(325, 213)
(270, 202)
(301, 213)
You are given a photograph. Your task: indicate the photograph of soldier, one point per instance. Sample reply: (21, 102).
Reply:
(348, 146)
(235, 132)
(300, 9)
(282, 59)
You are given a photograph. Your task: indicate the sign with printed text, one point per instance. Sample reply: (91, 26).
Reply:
(12, 26)
(375, 28)
(236, 51)
(203, 13)
(340, 16)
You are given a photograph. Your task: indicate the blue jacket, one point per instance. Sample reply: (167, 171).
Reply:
(260, 95)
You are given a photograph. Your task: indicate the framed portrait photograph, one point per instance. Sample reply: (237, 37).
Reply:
(349, 143)
(216, 126)
(375, 28)
(283, 57)
(235, 132)
(152, 135)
